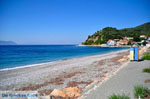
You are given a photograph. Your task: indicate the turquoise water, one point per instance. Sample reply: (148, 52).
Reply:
(21, 55)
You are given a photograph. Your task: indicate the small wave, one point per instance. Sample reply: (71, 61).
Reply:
(24, 66)
(45, 63)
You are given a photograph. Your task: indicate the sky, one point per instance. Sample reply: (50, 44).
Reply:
(66, 21)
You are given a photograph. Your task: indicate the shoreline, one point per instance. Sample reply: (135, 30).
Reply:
(101, 46)
(45, 63)
(65, 73)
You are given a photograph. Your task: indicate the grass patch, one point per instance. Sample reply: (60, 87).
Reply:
(146, 56)
(147, 70)
(140, 91)
(123, 96)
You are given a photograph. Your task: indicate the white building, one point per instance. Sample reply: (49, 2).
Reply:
(129, 38)
(148, 39)
(148, 45)
(111, 42)
(143, 36)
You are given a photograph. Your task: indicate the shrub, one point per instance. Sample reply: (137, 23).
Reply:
(146, 70)
(89, 42)
(146, 56)
(123, 96)
(140, 91)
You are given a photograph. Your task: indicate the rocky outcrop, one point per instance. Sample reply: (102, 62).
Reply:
(142, 50)
(124, 59)
(73, 91)
(68, 92)
(58, 93)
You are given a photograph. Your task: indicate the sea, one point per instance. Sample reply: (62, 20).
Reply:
(19, 56)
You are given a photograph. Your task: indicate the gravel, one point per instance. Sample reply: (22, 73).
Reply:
(123, 82)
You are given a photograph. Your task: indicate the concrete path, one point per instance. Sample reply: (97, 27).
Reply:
(123, 82)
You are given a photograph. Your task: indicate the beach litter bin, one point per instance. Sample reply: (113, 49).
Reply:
(131, 54)
(134, 54)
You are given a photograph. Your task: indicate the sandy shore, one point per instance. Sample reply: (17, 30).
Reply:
(82, 72)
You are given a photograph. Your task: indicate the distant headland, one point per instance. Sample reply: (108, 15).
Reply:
(8, 43)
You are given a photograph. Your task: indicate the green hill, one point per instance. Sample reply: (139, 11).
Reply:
(102, 36)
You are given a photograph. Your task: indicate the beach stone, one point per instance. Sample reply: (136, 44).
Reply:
(141, 52)
(128, 56)
(73, 91)
(124, 59)
(58, 93)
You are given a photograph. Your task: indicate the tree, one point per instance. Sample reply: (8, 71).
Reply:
(136, 38)
(129, 42)
(144, 43)
(148, 34)
(99, 41)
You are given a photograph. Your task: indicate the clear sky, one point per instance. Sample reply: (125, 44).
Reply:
(66, 21)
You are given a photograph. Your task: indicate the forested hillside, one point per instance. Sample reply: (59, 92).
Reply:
(102, 36)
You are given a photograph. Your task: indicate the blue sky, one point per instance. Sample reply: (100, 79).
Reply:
(66, 21)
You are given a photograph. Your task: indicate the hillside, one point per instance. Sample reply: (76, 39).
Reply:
(102, 36)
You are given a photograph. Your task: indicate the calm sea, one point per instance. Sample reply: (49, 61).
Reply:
(21, 55)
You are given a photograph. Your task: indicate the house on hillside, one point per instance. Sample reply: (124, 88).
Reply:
(148, 39)
(148, 44)
(122, 42)
(111, 42)
(129, 38)
(143, 41)
(133, 42)
(125, 38)
(143, 36)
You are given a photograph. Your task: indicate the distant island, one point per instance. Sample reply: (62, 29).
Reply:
(113, 37)
(7, 43)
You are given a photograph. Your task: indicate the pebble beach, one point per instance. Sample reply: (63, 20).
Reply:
(81, 72)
